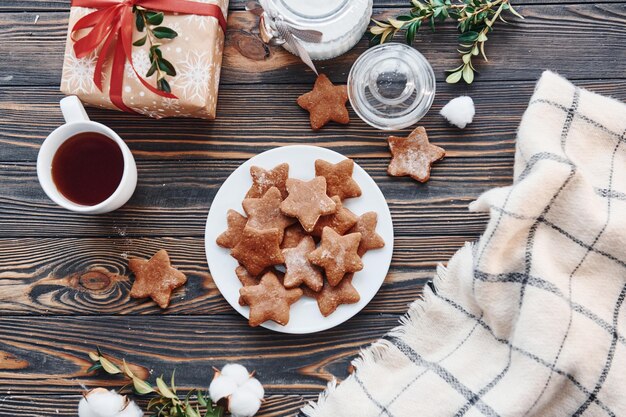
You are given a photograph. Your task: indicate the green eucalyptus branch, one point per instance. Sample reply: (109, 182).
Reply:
(475, 19)
(150, 22)
(166, 402)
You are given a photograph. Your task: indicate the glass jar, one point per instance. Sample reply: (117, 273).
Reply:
(341, 22)
(391, 86)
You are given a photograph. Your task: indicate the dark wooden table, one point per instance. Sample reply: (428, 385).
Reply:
(63, 277)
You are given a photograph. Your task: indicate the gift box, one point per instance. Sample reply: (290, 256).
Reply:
(110, 63)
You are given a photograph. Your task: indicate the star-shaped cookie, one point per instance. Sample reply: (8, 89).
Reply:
(258, 249)
(325, 102)
(298, 269)
(269, 300)
(337, 255)
(329, 298)
(413, 156)
(340, 222)
(264, 212)
(366, 226)
(339, 180)
(293, 235)
(248, 280)
(155, 278)
(236, 223)
(307, 200)
(263, 180)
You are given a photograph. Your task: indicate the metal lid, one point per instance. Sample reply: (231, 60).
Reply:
(391, 86)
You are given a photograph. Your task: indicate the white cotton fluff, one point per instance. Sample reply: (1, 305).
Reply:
(221, 387)
(102, 403)
(459, 111)
(236, 372)
(243, 391)
(244, 403)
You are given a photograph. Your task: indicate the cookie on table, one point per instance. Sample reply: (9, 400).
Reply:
(264, 212)
(236, 223)
(263, 180)
(293, 235)
(329, 298)
(258, 249)
(413, 156)
(339, 181)
(298, 269)
(325, 103)
(155, 278)
(269, 300)
(337, 255)
(366, 226)
(307, 201)
(340, 222)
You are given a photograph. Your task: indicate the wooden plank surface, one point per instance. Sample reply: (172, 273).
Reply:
(63, 277)
(549, 37)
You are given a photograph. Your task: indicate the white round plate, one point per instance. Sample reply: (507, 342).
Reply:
(305, 316)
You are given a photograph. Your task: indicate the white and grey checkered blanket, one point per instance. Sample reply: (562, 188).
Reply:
(530, 320)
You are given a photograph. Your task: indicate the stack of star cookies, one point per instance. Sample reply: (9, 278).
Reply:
(298, 239)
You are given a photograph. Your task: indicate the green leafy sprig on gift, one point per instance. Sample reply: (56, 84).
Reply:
(166, 402)
(151, 22)
(475, 19)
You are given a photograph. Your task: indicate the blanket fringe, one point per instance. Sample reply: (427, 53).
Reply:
(410, 323)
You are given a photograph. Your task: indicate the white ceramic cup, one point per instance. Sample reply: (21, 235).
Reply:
(77, 121)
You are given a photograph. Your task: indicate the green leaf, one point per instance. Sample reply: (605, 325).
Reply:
(139, 23)
(140, 42)
(432, 23)
(404, 18)
(164, 85)
(109, 367)
(455, 77)
(163, 32)
(142, 387)
(155, 18)
(127, 370)
(410, 32)
(470, 36)
(190, 412)
(163, 389)
(167, 67)
(152, 69)
(201, 399)
(468, 74)
(94, 367)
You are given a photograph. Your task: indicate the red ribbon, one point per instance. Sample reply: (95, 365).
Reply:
(112, 27)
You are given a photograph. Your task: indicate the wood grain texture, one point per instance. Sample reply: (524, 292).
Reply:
(61, 5)
(184, 190)
(551, 36)
(252, 119)
(275, 405)
(87, 276)
(63, 278)
(56, 349)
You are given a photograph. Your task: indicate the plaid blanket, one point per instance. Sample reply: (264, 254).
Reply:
(530, 320)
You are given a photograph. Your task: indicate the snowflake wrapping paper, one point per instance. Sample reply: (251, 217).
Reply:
(196, 53)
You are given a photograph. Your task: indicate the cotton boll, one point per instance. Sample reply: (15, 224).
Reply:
(102, 403)
(253, 385)
(222, 386)
(131, 410)
(459, 111)
(236, 372)
(244, 403)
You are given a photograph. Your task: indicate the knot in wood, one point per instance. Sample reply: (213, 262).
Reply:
(94, 280)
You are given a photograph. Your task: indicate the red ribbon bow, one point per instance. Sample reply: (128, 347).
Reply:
(112, 27)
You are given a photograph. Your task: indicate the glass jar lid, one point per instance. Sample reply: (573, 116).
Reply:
(391, 86)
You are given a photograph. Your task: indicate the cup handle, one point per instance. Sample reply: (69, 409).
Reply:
(73, 110)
